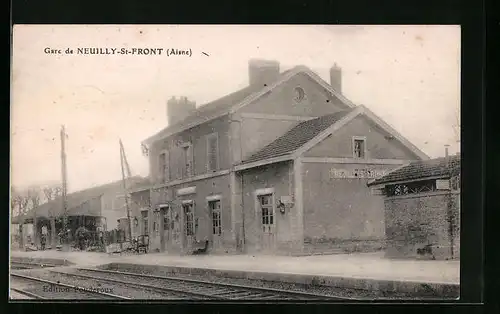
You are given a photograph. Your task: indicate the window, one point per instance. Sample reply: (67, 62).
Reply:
(189, 219)
(216, 217)
(164, 172)
(358, 147)
(267, 210)
(187, 157)
(166, 220)
(455, 183)
(212, 152)
(410, 188)
(144, 222)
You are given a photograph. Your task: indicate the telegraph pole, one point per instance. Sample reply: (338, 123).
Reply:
(125, 167)
(64, 187)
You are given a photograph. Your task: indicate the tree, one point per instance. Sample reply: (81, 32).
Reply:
(20, 200)
(52, 192)
(14, 201)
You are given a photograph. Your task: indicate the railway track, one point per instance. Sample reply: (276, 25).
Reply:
(39, 288)
(190, 288)
(25, 294)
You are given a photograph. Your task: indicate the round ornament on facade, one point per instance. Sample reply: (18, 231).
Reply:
(299, 94)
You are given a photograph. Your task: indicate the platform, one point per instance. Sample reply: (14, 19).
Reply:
(357, 271)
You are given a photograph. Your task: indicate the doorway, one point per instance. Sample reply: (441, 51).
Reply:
(267, 220)
(189, 227)
(215, 213)
(165, 228)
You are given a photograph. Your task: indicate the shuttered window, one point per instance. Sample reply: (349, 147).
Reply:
(187, 155)
(164, 173)
(212, 152)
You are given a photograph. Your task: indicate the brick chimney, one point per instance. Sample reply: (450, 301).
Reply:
(263, 72)
(336, 78)
(446, 150)
(179, 109)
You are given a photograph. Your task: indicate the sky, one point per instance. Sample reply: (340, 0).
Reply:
(407, 75)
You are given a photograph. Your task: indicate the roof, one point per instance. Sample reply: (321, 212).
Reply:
(77, 202)
(210, 110)
(225, 104)
(297, 136)
(143, 182)
(422, 169)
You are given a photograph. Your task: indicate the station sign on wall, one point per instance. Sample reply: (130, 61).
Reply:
(358, 173)
(442, 184)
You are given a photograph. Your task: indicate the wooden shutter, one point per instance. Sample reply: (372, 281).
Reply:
(161, 166)
(189, 160)
(167, 166)
(213, 152)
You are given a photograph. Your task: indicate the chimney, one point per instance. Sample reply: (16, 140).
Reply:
(179, 109)
(336, 78)
(446, 153)
(263, 72)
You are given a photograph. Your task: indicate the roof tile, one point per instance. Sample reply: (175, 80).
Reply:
(444, 166)
(296, 137)
(216, 107)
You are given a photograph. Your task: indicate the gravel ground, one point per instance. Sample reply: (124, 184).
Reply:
(13, 295)
(113, 288)
(52, 291)
(344, 293)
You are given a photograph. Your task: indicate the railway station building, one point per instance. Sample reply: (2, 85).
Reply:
(278, 167)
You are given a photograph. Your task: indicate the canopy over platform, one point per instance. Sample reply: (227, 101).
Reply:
(81, 203)
(78, 204)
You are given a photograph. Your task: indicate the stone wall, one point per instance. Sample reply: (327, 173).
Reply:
(418, 220)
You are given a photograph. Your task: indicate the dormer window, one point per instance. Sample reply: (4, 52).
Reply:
(359, 147)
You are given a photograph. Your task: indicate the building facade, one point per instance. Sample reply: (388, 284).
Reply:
(278, 167)
(422, 209)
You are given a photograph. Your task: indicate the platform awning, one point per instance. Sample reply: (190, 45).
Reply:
(77, 206)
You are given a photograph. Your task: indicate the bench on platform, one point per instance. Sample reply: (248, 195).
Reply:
(200, 247)
(141, 244)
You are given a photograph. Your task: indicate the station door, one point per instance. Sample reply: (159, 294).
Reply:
(169, 230)
(189, 224)
(267, 223)
(216, 224)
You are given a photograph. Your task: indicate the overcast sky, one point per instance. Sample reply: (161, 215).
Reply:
(408, 75)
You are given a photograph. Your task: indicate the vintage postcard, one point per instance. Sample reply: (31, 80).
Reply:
(220, 162)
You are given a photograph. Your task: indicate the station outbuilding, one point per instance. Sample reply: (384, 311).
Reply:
(422, 209)
(100, 206)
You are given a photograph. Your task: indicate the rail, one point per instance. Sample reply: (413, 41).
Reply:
(198, 288)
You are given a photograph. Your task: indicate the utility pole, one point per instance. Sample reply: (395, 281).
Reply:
(125, 167)
(64, 188)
